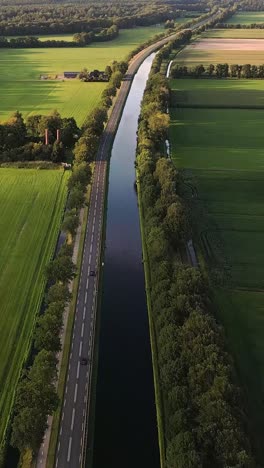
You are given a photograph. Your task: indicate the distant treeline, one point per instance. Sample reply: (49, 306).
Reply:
(251, 5)
(239, 25)
(221, 70)
(79, 40)
(204, 420)
(60, 19)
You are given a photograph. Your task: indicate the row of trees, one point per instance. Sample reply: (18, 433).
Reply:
(240, 26)
(79, 40)
(204, 420)
(221, 70)
(36, 395)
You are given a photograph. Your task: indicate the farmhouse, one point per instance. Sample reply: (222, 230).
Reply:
(70, 75)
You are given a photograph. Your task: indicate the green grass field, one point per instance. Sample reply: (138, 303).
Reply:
(31, 205)
(21, 89)
(247, 17)
(217, 93)
(221, 151)
(234, 34)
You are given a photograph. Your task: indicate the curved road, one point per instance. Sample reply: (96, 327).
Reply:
(75, 412)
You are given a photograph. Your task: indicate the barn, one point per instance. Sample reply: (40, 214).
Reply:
(70, 75)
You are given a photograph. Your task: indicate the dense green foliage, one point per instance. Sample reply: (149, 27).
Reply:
(31, 205)
(37, 19)
(203, 410)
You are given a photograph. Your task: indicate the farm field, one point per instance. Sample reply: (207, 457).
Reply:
(221, 153)
(215, 51)
(234, 33)
(217, 93)
(31, 205)
(21, 88)
(247, 17)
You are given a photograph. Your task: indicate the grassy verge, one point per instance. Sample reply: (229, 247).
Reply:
(153, 340)
(67, 343)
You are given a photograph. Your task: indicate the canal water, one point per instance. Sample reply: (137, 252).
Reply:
(125, 418)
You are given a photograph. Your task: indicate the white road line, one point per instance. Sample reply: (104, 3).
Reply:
(58, 446)
(62, 416)
(92, 238)
(80, 349)
(90, 258)
(69, 449)
(84, 312)
(57, 461)
(72, 419)
(87, 282)
(66, 389)
(78, 370)
(85, 300)
(91, 248)
(75, 392)
(82, 330)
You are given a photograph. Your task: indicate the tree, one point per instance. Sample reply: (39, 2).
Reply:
(159, 125)
(58, 292)
(76, 198)
(71, 222)
(61, 269)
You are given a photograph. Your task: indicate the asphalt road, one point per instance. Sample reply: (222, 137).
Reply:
(75, 411)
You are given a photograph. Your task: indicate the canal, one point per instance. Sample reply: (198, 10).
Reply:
(125, 415)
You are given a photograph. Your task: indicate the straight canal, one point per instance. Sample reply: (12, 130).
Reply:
(125, 415)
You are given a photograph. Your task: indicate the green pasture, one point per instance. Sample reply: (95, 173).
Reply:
(21, 89)
(190, 56)
(217, 92)
(221, 153)
(233, 34)
(31, 206)
(247, 17)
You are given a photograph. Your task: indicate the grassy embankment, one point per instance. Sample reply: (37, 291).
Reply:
(221, 153)
(21, 88)
(31, 205)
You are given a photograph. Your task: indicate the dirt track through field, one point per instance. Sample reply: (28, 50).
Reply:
(228, 44)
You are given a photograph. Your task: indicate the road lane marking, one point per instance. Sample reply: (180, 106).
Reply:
(85, 300)
(80, 349)
(78, 370)
(87, 282)
(90, 258)
(72, 419)
(69, 450)
(75, 392)
(82, 330)
(84, 312)
(91, 248)
(58, 447)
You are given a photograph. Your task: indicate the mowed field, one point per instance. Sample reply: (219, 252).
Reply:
(247, 17)
(31, 206)
(21, 89)
(214, 50)
(221, 151)
(217, 93)
(234, 33)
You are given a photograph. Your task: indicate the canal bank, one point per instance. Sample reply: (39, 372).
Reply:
(125, 413)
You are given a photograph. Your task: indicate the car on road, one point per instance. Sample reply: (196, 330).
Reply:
(92, 273)
(83, 361)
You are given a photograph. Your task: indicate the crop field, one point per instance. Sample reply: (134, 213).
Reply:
(21, 89)
(247, 17)
(221, 153)
(217, 93)
(31, 205)
(215, 51)
(234, 33)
